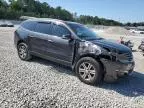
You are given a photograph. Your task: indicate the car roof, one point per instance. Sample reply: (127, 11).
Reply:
(52, 20)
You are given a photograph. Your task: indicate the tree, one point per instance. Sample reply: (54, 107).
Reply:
(34, 8)
(3, 4)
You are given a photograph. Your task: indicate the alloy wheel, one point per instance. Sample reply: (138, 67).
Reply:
(87, 71)
(22, 51)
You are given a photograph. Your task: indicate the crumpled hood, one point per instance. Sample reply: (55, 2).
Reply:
(111, 45)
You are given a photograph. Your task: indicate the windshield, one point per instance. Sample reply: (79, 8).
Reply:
(83, 32)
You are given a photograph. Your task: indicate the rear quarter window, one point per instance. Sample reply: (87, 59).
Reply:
(30, 25)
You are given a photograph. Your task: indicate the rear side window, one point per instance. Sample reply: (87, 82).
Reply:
(44, 28)
(30, 25)
(59, 30)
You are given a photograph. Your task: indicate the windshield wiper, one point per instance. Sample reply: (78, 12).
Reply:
(100, 38)
(95, 38)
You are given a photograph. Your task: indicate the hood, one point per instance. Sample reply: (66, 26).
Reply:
(111, 45)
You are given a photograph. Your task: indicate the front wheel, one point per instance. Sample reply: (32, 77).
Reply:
(23, 51)
(89, 71)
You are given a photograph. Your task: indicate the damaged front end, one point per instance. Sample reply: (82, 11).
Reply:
(116, 63)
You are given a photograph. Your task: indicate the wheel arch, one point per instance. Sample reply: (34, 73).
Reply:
(21, 41)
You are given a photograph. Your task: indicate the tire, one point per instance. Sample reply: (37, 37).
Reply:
(23, 51)
(92, 75)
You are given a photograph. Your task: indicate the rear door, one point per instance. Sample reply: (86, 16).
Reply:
(39, 38)
(61, 49)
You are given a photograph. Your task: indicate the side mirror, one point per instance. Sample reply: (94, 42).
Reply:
(67, 36)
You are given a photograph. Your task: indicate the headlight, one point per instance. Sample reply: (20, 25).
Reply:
(107, 52)
(111, 55)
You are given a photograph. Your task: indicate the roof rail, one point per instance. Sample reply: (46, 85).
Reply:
(27, 17)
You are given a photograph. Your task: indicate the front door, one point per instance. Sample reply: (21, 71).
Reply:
(61, 48)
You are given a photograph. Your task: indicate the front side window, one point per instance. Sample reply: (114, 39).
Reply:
(44, 28)
(59, 30)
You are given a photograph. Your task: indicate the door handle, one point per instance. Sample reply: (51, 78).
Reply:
(49, 40)
(31, 36)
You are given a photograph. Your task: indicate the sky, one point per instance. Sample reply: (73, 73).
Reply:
(120, 10)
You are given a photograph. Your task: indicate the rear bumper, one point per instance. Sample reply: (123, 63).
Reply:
(16, 39)
(116, 69)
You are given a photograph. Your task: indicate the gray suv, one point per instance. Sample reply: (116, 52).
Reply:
(93, 58)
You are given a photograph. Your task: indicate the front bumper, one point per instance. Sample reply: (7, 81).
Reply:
(116, 69)
(142, 47)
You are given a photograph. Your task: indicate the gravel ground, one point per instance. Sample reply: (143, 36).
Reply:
(44, 84)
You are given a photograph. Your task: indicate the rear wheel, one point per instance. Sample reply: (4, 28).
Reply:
(89, 71)
(23, 51)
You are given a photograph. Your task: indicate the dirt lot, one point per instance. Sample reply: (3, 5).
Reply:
(44, 84)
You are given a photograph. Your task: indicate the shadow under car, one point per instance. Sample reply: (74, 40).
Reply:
(131, 86)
